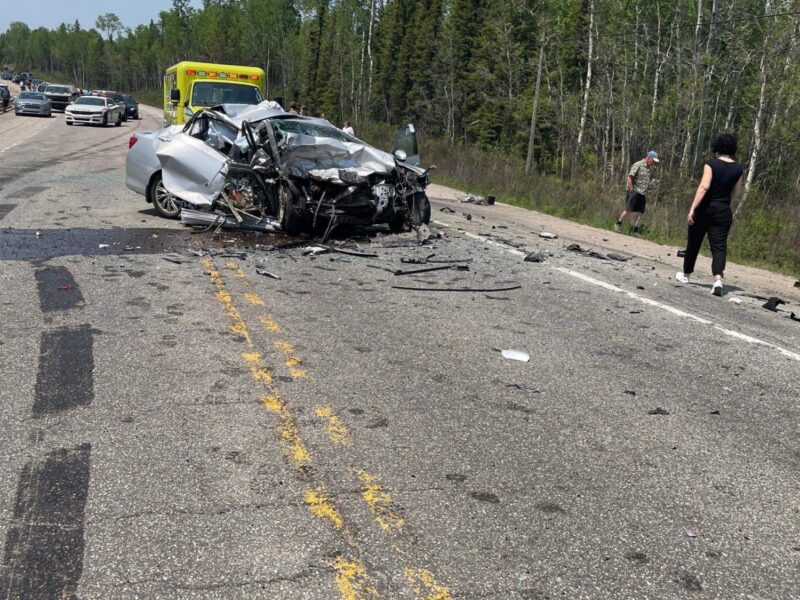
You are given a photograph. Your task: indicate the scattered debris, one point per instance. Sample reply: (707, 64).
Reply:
(519, 355)
(447, 209)
(266, 273)
(680, 253)
(477, 290)
(426, 270)
(199, 253)
(39, 234)
(735, 300)
(618, 257)
(229, 254)
(490, 200)
(536, 257)
(689, 533)
(658, 411)
(714, 412)
(470, 199)
(773, 303)
(497, 297)
(639, 287)
(423, 233)
(630, 392)
(353, 253)
(64, 288)
(797, 284)
(314, 250)
(575, 248)
(101, 246)
(467, 216)
(547, 235)
(173, 259)
(794, 317)
(593, 254)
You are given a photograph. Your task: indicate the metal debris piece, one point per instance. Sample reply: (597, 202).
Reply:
(773, 303)
(467, 216)
(354, 253)
(547, 235)
(477, 290)
(689, 533)
(536, 257)
(519, 355)
(575, 248)
(314, 250)
(658, 411)
(266, 273)
(471, 199)
(417, 261)
(426, 270)
(423, 233)
(229, 254)
(101, 246)
(447, 209)
(173, 259)
(630, 392)
(794, 317)
(197, 218)
(618, 257)
(681, 253)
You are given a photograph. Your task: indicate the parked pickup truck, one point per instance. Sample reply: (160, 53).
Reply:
(60, 96)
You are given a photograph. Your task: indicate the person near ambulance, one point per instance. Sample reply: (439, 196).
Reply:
(638, 183)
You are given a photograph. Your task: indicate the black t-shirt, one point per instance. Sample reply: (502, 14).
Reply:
(724, 177)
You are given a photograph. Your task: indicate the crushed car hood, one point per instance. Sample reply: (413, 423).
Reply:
(322, 158)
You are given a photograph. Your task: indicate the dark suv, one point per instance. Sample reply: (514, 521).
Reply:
(131, 107)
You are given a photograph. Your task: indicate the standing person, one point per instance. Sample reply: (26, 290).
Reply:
(5, 95)
(304, 110)
(292, 107)
(711, 213)
(348, 129)
(637, 184)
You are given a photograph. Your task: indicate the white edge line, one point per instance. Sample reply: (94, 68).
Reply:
(613, 288)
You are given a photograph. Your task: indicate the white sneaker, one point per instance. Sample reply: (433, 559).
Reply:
(716, 289)
(680, 276)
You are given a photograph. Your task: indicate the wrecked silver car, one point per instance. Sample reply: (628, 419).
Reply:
(262, 168)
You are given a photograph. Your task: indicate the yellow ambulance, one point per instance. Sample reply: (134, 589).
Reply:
(191, 86)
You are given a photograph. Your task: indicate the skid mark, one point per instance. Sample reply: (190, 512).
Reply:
(296, 449)
(319, 502)
(336, 430)
(425, 586)
(353, 581)
(380, 502)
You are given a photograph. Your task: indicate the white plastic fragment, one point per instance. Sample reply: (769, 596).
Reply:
(689, 533)
(735, 300)
(101, 246)
(519, 355)
(547, 235)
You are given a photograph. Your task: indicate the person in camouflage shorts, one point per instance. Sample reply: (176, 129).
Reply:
(638, 182)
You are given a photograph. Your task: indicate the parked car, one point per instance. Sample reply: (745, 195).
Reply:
(61, 95)
(131, 107)
(116, 96)
(93, 110)
(33, 103)
(261, 168)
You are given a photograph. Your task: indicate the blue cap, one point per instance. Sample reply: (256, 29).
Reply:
(654, 155)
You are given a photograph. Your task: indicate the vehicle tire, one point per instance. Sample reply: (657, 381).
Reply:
(136, 116)
(420, 208)
(69, 124)
(166, 205)
(119, 122)
(105, 120)
(291, 222)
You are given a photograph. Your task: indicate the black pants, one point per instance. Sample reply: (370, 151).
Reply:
(716, 221)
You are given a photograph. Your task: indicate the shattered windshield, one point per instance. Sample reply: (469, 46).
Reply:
(212, 93)
(284, 126)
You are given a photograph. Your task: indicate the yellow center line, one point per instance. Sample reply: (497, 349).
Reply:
(236, 269)
(353, 581)
(254, 299)
(319, 502)
(336, 430)
(292, 362)
(425, 586)
(269, 324)
(296, 449)
(380, 502)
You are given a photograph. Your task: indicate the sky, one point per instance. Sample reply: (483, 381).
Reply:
(51, 13)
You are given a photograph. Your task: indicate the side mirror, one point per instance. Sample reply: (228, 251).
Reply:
(400, 155)
(175, 96)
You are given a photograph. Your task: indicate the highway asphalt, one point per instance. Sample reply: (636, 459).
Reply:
(177, 425)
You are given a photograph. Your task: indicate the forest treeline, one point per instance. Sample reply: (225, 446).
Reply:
(571, 89)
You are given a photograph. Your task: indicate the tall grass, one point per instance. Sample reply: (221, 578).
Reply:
(766, 234)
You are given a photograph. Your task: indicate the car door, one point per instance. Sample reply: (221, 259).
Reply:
(406, 140)
(190, 168)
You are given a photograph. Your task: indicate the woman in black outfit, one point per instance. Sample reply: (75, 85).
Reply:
(711, 212)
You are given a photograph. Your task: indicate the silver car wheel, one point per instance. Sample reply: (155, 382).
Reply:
(165, 203)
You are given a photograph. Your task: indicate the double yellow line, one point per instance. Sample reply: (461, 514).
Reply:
(352, 579)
